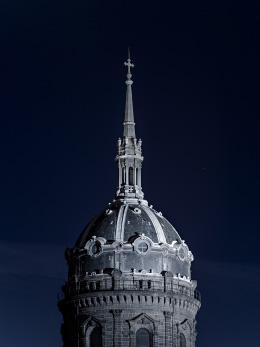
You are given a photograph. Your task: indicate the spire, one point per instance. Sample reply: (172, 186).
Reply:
(129, 151)
(129, 124)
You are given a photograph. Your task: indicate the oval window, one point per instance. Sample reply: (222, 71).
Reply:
(96, 248)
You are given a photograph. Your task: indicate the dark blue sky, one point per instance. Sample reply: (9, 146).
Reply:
(196, 104)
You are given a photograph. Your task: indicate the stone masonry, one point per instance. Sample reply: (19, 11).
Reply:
(129, 280)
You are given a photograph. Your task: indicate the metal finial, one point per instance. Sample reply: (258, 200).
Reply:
(128, 64)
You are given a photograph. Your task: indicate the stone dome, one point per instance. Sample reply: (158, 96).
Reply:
(137, 237)
(123, 222)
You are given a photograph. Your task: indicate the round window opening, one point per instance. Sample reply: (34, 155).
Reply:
(183, 252)
(95, 249)
(137, 210)
(142, 247)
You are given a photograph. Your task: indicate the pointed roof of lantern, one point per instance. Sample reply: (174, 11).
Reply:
(129, 124)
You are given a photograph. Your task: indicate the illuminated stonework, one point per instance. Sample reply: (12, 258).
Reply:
(129, 280)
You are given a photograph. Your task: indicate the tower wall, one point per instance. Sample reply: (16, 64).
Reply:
(166, 312)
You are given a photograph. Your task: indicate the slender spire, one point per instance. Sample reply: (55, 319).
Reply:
(129, 151)
(129, 124)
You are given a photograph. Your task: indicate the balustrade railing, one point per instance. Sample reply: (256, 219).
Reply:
(112, 284)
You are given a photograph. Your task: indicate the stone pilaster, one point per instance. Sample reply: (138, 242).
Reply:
(117, 329)
(175, 328)
(168, 329)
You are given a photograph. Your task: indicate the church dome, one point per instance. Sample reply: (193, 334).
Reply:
(125, 221)
(140, 236)
(129, 236)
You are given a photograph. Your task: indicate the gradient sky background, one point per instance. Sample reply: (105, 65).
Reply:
(196, 104)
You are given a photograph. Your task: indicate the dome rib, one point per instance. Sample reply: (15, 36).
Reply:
(120, 225)
(156, 224)
(120, 222)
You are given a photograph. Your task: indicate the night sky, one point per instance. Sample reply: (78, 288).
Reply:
(196, 105)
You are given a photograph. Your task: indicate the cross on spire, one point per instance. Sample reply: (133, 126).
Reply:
(129, 152)
(128, 64)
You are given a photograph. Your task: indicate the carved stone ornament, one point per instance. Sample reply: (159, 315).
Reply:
(190, 256)
(117, 246)
(174, 243)
(89, 323)
(94, 246)
(143, 321)
(183, 251)
(165, 249)
(142, 245)
(117, 313)
(168, 314)
(185, 325)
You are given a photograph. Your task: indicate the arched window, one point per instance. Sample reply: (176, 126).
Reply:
(131, 176)
(137, 178)
(182, 341)
(123, 175)
(142, 338)
(96, 338)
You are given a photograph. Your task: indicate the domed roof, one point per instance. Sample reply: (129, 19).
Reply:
(128, 235)
(124, 221)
